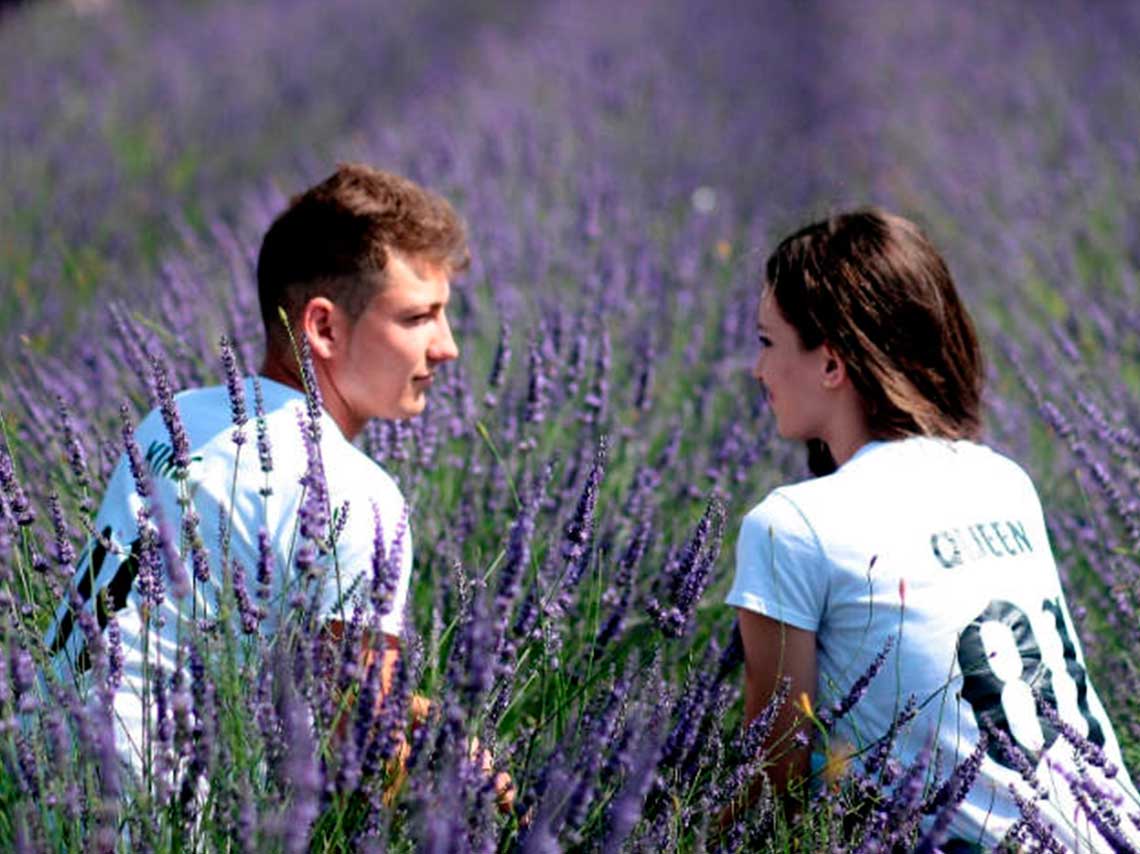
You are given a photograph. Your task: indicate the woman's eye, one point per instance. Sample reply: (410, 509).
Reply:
(765, 341)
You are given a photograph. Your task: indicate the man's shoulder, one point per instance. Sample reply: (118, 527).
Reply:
(193, 405)
(356, 474)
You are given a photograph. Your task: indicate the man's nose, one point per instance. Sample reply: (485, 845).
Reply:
(443, 348)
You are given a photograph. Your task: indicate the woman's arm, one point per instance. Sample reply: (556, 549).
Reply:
(772, 651)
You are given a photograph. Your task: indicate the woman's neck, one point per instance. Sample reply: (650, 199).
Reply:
(848, 430)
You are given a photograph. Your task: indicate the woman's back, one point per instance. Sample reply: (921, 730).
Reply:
(940, 548)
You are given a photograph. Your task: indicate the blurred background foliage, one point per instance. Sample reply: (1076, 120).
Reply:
(624, 168)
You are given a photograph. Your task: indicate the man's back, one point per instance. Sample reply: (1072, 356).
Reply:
(248, 499)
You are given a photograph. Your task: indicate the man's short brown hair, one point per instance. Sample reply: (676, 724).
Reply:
(334, 239)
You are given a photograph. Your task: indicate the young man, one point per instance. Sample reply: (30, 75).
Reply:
(292, 513)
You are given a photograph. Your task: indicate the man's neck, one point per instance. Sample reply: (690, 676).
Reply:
(279, 371)
(286, 372)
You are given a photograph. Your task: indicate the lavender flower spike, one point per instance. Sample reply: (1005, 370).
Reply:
(264, 450)
(138, 467)
(180, 442)
(581, 526)
(235, 390)
(76, 456)
(829, 717)
(385, 567)
(17, 499)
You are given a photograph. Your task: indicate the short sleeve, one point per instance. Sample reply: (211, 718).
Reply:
(372, 513)
(780, 570)
(392, 623)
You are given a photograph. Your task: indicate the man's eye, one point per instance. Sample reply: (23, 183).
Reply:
(764, 340)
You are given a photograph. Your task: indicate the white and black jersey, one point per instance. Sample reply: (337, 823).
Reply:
(941, 546)
(227, 488)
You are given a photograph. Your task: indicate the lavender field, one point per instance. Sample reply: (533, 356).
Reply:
(578, 478)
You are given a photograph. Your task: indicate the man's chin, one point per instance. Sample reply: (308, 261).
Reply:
(414, 407)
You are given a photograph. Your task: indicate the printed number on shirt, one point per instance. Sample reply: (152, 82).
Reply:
(1003, 662)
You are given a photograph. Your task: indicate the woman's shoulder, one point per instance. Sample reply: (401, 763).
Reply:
(779, 516)
(988, 467)
(898, 480)
(920, 457)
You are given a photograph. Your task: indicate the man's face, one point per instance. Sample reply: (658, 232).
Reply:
(392, 350)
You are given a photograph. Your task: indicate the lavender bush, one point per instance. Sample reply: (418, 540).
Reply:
(577, 478)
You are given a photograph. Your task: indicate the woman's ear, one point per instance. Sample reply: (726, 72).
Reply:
(834, 368)
(321, 323)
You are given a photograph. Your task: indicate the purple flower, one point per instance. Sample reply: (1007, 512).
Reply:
(17, 500)
(265, 563)
(597, 398)
(1099, 804)
(1088, 749)
(264, 451)
(234, 388)
(299, 770)
(314, 508)
(162, 732)
(23, 676)
(879, 757)
(477, 643)
(687, 574)
(180, 442)
(29, 777)
(175, 569)
(192, 536)
(902, 811)
(537, 383)
(671, 449)
(580, 528)
(499, 366)
(829, 717)
(5, 689)
(1033, 827)
(643, 387)
(138, 467)
(378, 737)
(313, 403)
(386, 567)
(626, 807)
(340, 519)
(106, 813)
(619, 593)
(114, 652)
(518, 546)
(64, 552)
(250, 614)
(73, 449)
(947, 798)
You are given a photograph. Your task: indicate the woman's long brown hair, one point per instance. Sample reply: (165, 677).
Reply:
(870, 285)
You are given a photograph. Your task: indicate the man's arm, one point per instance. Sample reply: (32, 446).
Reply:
(419, 708)
(387, 653)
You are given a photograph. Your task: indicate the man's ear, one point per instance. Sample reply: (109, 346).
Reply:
(322, 323)
(834, 369)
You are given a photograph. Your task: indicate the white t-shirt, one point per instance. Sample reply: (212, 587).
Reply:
(943, 546)
(356, 486)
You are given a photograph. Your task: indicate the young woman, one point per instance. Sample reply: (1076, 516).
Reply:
(914, 535)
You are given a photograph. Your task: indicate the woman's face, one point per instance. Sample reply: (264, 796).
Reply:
(792, 376)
